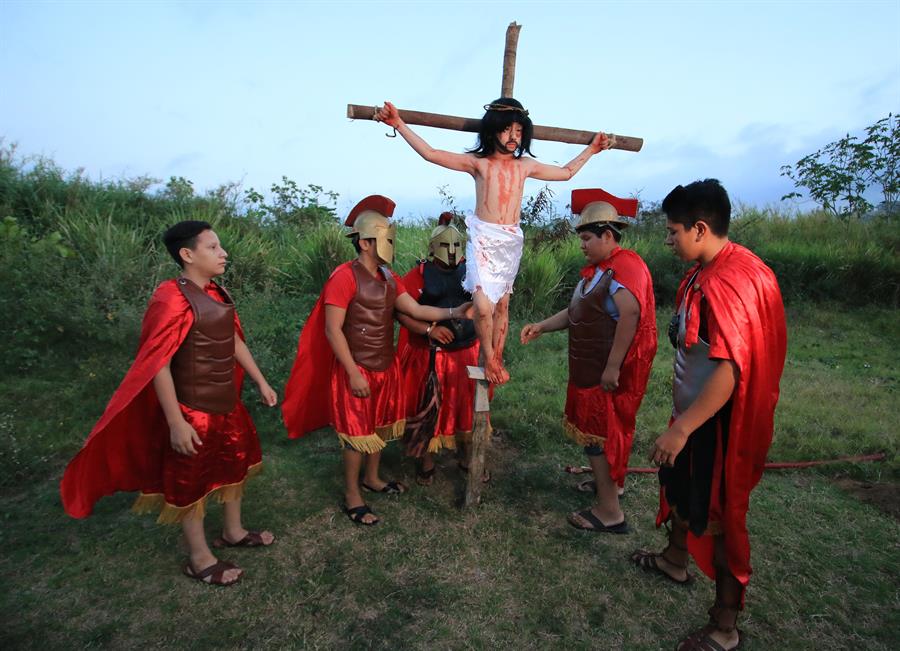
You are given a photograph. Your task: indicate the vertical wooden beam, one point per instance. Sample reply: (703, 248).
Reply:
(509, 60)
(481, 436)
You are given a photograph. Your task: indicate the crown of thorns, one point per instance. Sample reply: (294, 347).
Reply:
(504, 107)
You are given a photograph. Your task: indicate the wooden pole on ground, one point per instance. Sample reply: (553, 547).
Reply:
(509, 60)
(455, 123)
(481, 434)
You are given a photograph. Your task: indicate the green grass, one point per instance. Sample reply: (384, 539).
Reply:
(509, 574)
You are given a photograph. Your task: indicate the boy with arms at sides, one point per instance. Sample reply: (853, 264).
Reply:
(730, 342)
(345, 373)
(494, 249)
(176, 429)
(611, 321)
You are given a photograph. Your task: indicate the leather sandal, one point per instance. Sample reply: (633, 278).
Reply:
(650, 561)
(390, 488)
(214, 573)
(252, 539)
(357, 513)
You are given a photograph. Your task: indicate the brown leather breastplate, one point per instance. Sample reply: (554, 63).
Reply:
(203, 366)
(591, 333)
(369, 323)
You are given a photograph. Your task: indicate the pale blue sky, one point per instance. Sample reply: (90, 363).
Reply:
(249, 92)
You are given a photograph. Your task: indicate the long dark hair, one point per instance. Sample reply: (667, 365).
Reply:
(495, 120)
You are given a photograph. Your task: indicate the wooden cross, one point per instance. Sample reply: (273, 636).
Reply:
(481, 433)
(481, 423)
(455, 123)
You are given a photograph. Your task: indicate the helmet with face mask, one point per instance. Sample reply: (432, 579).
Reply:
(369, 220)
(446, 243)
(594, 206)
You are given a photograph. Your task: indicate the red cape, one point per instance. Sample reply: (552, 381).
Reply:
(124, 451)
(743, 295)
(631, 271)
(414, 282)
(307, 395)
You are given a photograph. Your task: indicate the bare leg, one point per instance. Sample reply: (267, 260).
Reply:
(607, 507)
(484, 328)
(353, 462)
(498, 338)
(200, 555)
(233, 531)
(370, 472)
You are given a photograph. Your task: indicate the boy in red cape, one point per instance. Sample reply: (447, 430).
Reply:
(453, 343)
(612, 341)
(730, 342)
(346, 373)
(176, 429)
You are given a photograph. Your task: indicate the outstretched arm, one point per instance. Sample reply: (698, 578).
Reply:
(431, 330)
(459, 162)
(544, 172)
(531, 331)
(407, 305)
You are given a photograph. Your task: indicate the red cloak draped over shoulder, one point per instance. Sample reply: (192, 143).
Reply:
(307, 394)
(631, 271)
(743, 295)
(124, 451)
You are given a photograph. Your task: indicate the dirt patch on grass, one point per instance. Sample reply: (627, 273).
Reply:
(882, 495)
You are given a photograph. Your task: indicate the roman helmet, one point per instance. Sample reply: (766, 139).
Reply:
(594, 206)
(369, 220)
(446, 243)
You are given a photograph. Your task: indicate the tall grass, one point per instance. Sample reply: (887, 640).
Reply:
(79, 258)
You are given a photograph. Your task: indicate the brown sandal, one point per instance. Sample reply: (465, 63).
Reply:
(650, 561)
(252, 539)
(214, 573)
(700, 640)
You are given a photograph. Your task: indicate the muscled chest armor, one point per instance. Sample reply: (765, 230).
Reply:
(203, 366)
(591, 332)
(443, 288)
(369, 322)
(693, 367)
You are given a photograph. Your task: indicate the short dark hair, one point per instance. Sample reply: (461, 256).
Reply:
(496, 120)
(183, 235)
(598, 229)
(703, 200)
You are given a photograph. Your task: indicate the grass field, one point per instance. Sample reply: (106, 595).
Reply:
(509, 574)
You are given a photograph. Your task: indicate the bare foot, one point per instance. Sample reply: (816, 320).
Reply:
(495, 372)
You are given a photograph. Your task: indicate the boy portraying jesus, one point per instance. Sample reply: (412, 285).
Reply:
(495, 239)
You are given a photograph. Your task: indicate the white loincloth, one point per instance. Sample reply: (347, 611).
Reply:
(493, 252)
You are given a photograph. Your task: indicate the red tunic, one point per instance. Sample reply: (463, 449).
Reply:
(311, 401)
(457, 390)
(745, 303)
(129, 447)
(597, 417)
